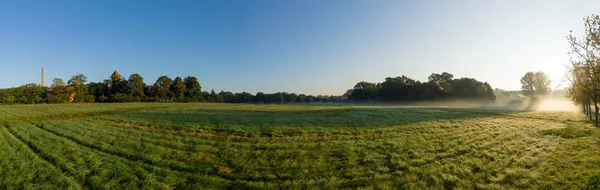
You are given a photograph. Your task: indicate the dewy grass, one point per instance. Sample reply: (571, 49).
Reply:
(199, 146)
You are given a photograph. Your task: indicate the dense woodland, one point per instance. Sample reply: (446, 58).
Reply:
(133, 89)
(439, 87)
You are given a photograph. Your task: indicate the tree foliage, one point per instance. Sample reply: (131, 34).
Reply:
(439, 87)
(584, 70)
(178, 90)
(162, 87)
(136, 87)
(535, 85)
(56, 82)
(193, 89)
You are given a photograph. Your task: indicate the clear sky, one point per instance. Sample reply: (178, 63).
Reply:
(303, 46)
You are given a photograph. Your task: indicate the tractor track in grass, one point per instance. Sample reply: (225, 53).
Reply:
(45, 157)
(87, 181)
(189, 170)
(181, 168)
(148, 163)
(154, 141)
(37, 151)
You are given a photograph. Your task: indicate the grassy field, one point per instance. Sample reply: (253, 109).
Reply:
(215, 146)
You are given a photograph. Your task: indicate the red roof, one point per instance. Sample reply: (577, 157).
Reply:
(116, 74)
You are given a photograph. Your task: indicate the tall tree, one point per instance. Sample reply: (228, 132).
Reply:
(178, 88)
(136, 86)
(57, 82)
(260, 98)
(442, 81)
(77, 80)
(535, 85)
(162, 87)
(194, 90)
(77, 89)
(584, 70)
(364, 91)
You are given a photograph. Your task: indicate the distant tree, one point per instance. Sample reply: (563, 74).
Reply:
(135, 86)
(8, 98)
(77, 88)
(207, 96)
(120, 97)
(59, 95)
(364, 91)
(178, 88)
(301, 98)
(77, 80)
(244, 97)
(260, 98)
(289, 97)
(33, 93)
(471, 89)
(194, 90)
(279, 98)
(442, 81)
(162, 87)
(99, 91)
(103, 98)
(534, 85)
(56, 82)
(490, 96)
(228, 97)
(218, 98)
(399, 88)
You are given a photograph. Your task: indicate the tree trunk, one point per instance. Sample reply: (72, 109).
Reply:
(589, 108)
(597, 108)
(585, 108)
(590, 111)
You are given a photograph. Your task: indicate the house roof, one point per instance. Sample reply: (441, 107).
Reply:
(116, 74)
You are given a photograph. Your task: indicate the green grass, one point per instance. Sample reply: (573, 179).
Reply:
(216, 146)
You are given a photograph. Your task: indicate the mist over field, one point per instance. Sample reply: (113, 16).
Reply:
(547, 103)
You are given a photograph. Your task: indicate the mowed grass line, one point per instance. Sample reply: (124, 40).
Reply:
(465, 132)
(313, 147)
(101, 182)
(22, 168)
(81, 139)
(132, 142)
(454, 131)
(98, 170)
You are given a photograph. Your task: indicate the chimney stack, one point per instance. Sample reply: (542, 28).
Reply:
(42, 76)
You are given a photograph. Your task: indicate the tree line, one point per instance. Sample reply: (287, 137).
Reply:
(438, 87)
(584, 70)
(133, 89)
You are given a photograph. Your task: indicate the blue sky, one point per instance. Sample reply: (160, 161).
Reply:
(303, 46)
